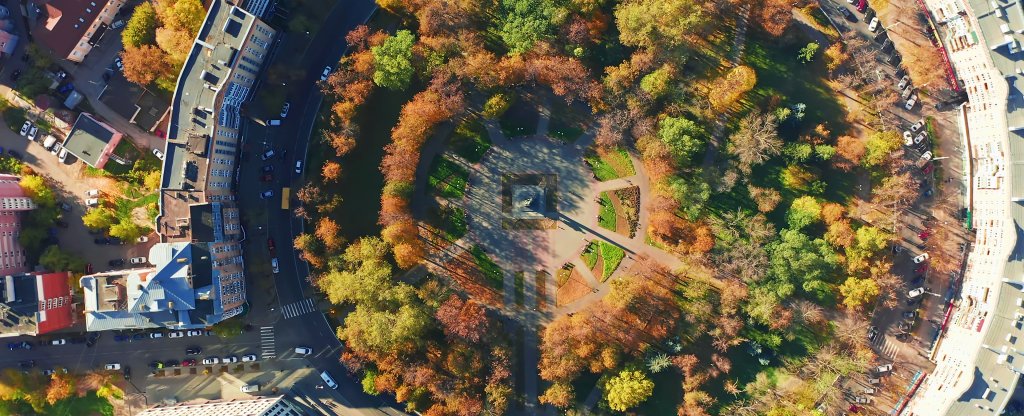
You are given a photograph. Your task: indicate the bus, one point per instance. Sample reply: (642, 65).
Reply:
(286, 194)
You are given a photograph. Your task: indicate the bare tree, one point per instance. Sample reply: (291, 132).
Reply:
(756, 140)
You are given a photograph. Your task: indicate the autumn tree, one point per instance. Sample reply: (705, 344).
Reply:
(727, 90)
(463, 319)
(835, 56)
(328, 231)
(393, 61)
(858, 292)
(331, 171)
(804, 211)
(756, 140)
(660, 23)
(765, 198)
(141, 27)
(773, 16)
(62, 386)
(880, 148)
(145, 64)
(627, 389)
(99, 218)
(558, 394)
(658, 83)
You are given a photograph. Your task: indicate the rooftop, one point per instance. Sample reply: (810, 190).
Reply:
(21, 298)
(92, 140)
(63, 23)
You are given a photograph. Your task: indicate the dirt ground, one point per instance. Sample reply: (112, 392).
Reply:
(573, 289)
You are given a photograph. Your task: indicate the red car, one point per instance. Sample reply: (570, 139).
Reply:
(189, 362)
(925, 234)
(927, 169)
(862, 6)
(921, 269)
(270, 245)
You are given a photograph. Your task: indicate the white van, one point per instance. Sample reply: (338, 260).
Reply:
(274, 122)
(49, 141)
(303, 350)
(249, 388)
(329, 380)
(92, 202)
(92, 193)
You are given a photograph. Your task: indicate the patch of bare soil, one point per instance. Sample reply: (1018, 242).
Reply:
(574, 289)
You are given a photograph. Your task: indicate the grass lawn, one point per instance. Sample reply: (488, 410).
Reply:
(470, 140)
(564, 274)
(520, 288)
(452, 220)
(15, 117)
(606, 216)
(612, 165)
(590, 254)
(447, 178)
(87, 405)
(565, 123)
(520, 119)
(492, 273)
(611, 255)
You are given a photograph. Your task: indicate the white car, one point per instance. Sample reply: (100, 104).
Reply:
(267, 155)
(175, 334)
(908, 138)
(92, 202)
(903, 82)
(275, 266)
(211, 360)
(920, 259)
(916, 126)
(156, 335)
(298, 167)
(303, 350)
(194, 333)
(32, 133)
(230, 359)
(249, 388)
(248, 357)
(915, 293)
(119, 64)
(911, 102)
(142, 239)
(883, 368)
(159, 154)
(927, 155)
(137, 260)
(61, 341)
(284, 109)
(327, 73)
(269, 193)
(63, 155)
(92, 193)
(873, 26)
(112, 366)
(25, 128)
(117, 24)
(56, 149)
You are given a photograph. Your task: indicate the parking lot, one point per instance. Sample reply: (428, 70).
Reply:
(903, 335)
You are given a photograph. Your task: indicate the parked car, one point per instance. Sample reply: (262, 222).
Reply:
(63, 155)
(32, 133)
(193, 350)
(913, 293)
(25, 128)
(270, 244)
(911, 102)
(917, 126)
(142, 239)
(303, 350)
(211, 360)
(194, 333)
(326, 73)
(874, 381)
(59, 341)
(921, 269)
(910, 314)
(924, 234)
(249, 388)
(873, 25)
(926, 155)
(230, 359)
(269, 193)
(284, 109)
(248, 357)
(158, 153)
(117, 25)
(267, 155)
(112, 366)
(156, 334)
(298, 167)
(846, 14)
(872, 333)
(172, 363)
(27, 364)
(927, 169)
(56, 149)
(23, 345)
(274, 265)
(137, 260)
(908, 138)
(267, 168)
(49, 141)
(13, 154)
(862, 400)
(188, 363)
(121, 338)
(156, 365)
(119, 64)
(885, 368)
(903, 82)
(920, 137)
(116, 263)
(921, 258)
(917, 280)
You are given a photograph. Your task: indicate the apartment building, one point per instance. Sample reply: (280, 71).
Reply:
(198, 275)
(70, 28)
(257, 406)
(13, 203)
(35, 304)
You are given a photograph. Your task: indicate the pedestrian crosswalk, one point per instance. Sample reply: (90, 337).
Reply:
(298, 308)
(267, 348)
(886, 347)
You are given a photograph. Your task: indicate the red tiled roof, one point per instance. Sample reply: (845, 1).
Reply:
(54, 301)
(58, 31)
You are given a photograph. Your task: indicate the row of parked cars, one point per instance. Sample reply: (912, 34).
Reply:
(31, 132)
